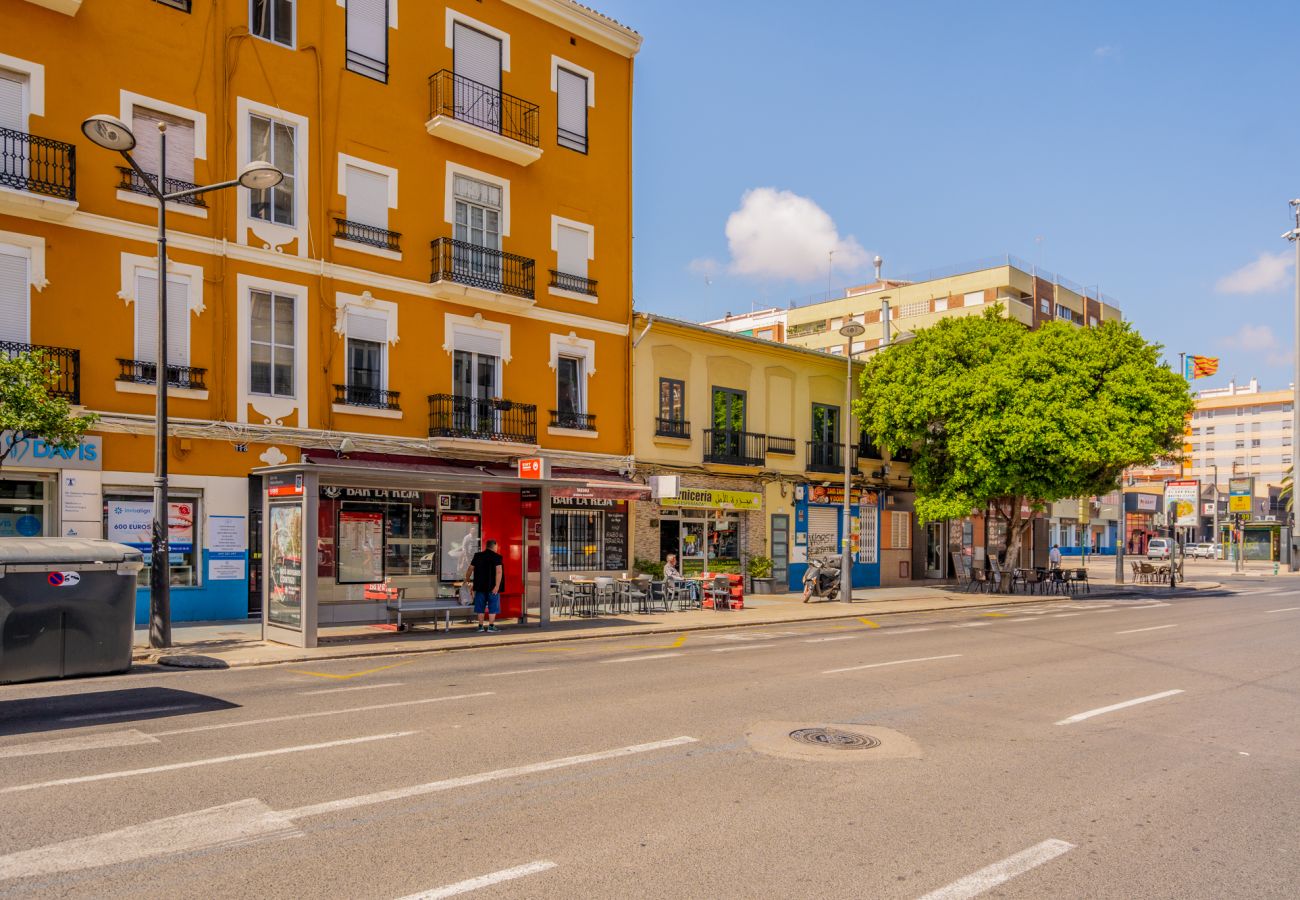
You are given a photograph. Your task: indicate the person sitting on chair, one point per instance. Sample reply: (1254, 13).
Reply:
(672, 573)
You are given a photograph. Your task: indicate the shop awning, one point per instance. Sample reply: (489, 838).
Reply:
(600, 489)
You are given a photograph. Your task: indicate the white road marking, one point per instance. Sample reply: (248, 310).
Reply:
(1152, 628)
(745, 647)
(320, 809)
(901, 630)
(314, 715)
(1024, 619)
(231, 825)
(1065, 615)
(83, 742)
(171, 767)
(1127, 703)
(119, 713)
(895, 662)
(971, 624)
(473, 884)
(838, 637)
(517, 672)
(359, 687)
(620, 659)
(998, 873)
(1286, 609)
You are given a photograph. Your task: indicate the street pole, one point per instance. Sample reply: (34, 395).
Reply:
(1215, 536)
(849, 330)
(1294, 237)
(1121, 536)
(160, 615)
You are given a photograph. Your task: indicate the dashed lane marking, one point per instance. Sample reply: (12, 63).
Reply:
(355, 687)
(1114, 706)
(971, 624)
(315, 715)
(1001, 872)
(517, 672)
(742, 647)
(623, 659)
(482, 881)
(101, 741)
(893, 662)
(995, 615)
(1152, 628)
(681, 639)
(120, 713)
(1065, 615)
(835, 637)
(1285, 609)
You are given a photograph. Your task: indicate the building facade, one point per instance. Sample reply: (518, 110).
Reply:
(436, 282)
(1240, 430)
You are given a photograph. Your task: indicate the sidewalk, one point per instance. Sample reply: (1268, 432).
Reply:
(229, 644)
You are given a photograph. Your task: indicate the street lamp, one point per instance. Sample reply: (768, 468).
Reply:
(112, 133)
(1294, 237)
(850, 330)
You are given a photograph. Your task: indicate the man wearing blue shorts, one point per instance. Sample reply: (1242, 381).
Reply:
(486, 575)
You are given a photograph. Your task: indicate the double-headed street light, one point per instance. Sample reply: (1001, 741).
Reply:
(112, 133)
(850, 330)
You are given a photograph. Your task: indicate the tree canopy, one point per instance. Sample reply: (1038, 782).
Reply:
(997, 416)
(29, 408)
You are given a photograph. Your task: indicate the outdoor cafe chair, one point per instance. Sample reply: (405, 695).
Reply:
(719, 591)
(604, 595)
(1081, 578)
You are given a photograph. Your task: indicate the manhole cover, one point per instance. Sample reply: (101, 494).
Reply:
(835, 738)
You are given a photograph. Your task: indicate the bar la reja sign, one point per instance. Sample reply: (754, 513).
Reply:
(534, 468)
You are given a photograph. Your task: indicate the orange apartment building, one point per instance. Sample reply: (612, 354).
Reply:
(426, 298)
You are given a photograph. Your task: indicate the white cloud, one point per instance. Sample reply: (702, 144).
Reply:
(1270, 272)
(783, 235)
(706, 266)
(1105, 50)
(1261, 342)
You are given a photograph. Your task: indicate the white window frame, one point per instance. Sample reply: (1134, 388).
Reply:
(35, 72)
(33, 247)
(978, 300)
(365, 305)
(590, 230)
(559, 62)
(127, 103)
(574, 347)
(293, 27)
(475, 326)
(130, 266)
(274, 236)
(388, 172)
(392, 11)
(273, 409)
(453, 17)
(940, 304)
(449, 194)
(24, 252)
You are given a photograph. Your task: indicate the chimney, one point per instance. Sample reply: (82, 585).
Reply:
(878, 263)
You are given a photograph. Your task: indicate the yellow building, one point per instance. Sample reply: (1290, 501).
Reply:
(754, 433)
(439, 278)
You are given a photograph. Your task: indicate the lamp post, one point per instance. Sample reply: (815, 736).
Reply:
(849, 330)
(111, 133)
(1294, 237)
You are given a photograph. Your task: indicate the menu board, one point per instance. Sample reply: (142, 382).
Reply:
(616, 538)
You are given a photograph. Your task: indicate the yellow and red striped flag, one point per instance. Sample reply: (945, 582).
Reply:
(1201, 367)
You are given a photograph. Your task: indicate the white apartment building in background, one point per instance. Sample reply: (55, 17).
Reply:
(1240, 429)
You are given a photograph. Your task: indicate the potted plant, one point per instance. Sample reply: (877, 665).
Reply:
(760, 574)
(649, 567)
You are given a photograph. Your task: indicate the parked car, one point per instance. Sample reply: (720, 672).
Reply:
(1158, 548)
(1204, 550)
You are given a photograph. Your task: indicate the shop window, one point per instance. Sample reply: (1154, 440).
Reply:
(128, 519)
(25, 507)
(367, 535)
(577, 540)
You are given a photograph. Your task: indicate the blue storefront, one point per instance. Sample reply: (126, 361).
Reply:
(818, 531)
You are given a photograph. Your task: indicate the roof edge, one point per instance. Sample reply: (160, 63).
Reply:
(585, 21)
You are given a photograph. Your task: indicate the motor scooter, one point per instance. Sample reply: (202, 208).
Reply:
(821, 580)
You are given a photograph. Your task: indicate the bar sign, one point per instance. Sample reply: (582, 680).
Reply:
(535, 468)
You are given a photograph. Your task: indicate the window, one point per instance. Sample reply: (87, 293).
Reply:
(1254, 442)
(271, 344)
(570, 401)
(1241, 427)
(273, 141)
(367, 196)
(367, 25)
(478, 212)
(571, 109)
(672, 401)
(146, 318)
(180, 144)
(128, 518)
(13, 105)
(367, 346)
(15, 294)
(1209, 429)
(577, 540)
(900, 530)
(477, 61)
(571, 250)
(272, 20)
(1045, 306)
(182, 5)
(940, 304)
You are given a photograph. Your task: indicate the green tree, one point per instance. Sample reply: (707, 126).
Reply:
(1000, 418)
(30, 409)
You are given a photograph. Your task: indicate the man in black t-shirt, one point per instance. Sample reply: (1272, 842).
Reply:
(486, 576)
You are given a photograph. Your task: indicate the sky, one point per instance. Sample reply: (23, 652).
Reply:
(1148, 149)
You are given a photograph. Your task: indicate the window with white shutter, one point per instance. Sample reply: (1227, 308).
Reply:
(571, 107)
(180, 144)
(900, 531)
(571, 251)
(367, 197)
(146, 318)
(476, 61)
(13, 100)
(367, 52)
(15, 295)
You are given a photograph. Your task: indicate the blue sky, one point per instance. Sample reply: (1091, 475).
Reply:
(1148, 148)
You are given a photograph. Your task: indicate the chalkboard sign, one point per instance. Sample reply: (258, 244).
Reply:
(616, 538)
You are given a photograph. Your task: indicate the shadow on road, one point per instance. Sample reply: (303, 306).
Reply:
(28, 716)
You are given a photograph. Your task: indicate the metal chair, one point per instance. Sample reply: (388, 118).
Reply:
(719, 591)
(1081, 578)
(604, 595)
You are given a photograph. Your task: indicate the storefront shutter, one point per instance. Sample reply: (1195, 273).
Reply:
(868, 539)
(571, 251)
(823, 530)
(367, 197)
(15, 322)
(571, 103)
(368, 37)
(12, 88)
(364, 327)
(146, 319)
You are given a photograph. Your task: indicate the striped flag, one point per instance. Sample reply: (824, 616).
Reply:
(1200, 367)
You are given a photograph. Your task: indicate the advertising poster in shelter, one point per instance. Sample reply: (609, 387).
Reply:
(459, 544)
(360, 547)
(284, 569)
(1181, 501)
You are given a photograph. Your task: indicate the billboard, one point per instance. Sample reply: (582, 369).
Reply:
(1182, 498)
(1241, 494)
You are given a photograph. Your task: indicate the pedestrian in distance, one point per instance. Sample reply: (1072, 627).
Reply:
(1054, 556)
(486, 575)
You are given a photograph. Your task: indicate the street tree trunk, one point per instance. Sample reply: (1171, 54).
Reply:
(1018, 526)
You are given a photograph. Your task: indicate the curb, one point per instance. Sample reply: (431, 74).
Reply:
(191, 661)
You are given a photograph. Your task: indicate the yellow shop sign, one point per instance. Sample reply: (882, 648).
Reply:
(706, 498)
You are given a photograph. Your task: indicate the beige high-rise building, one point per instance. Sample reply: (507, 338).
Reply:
(1241, 430)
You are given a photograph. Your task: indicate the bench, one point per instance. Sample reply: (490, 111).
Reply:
(425, 609)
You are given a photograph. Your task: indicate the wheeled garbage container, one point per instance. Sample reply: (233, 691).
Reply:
(67, 607)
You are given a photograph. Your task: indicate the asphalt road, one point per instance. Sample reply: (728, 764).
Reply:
(1074, 748)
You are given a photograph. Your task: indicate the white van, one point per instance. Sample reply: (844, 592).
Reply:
(1158, 548)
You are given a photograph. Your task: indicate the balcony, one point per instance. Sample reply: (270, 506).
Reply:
(782, 446)
(867, 448)
(483, 118)
(380, 238)
(574, 421)
(505, 421)
(138, 371)
(67, 383)
(734, 448)
(672, 428)
(825, 457)
(131, 181)
(460, 262)
(366, 397)
(573, 284)
(39, 173)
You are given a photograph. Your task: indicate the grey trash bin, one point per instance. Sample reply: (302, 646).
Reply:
(67, 607)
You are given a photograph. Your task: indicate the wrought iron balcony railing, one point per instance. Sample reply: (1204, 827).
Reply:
(825, 457)
(574, 420)
(68, 381)
(371, 398)
(673, 428)
(482, 267)
(781, 445)
(867, 448)
(367, 234)
(482, 420)
(575, 283)
(38, 165)
(131, 181)
(137, 371)
(466, 100)
(734, 448)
